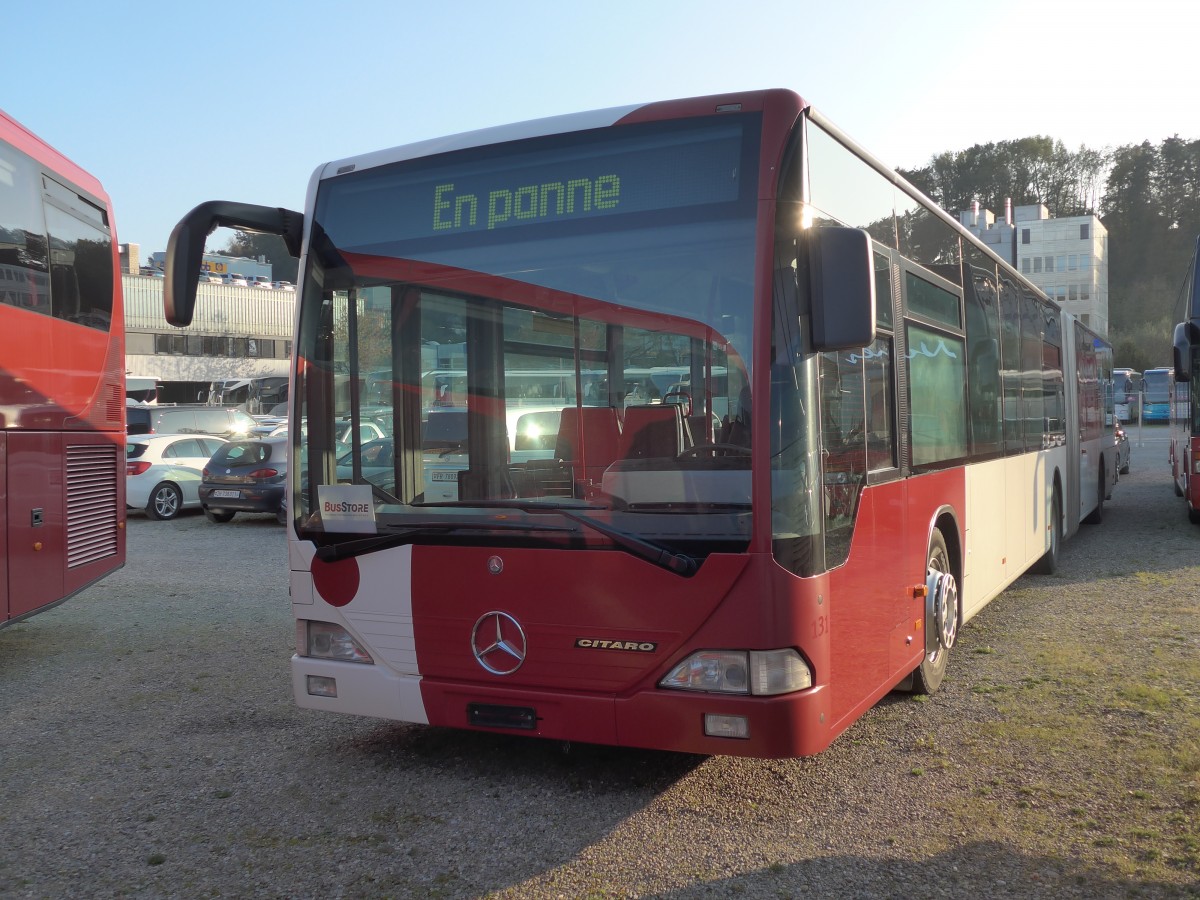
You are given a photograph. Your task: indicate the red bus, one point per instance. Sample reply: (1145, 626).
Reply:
(1184, 454)
(62, 390)
(873, 426)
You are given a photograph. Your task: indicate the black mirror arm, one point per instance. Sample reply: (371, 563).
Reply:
(185, 248)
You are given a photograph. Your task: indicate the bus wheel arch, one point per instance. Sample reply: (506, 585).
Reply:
(943, 604)
(1048, 563)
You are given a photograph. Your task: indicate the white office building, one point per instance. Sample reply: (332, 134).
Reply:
(1067, 258)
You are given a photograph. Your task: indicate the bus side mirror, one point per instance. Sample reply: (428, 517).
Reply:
(185, 248)
(842, 287)
(1187, 335)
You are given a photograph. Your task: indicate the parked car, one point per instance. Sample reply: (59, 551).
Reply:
(246, 476)
(261, 281)
(368, 430)
(284, 286)
(162, 472)
(1122, 450)
(236, 279)
(265, 425)
(223, 421)
(375, 462)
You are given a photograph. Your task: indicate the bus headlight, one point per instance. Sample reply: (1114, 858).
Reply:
(328, 641)
(757, 672)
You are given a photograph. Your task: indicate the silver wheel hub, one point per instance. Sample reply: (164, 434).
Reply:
(941, 610)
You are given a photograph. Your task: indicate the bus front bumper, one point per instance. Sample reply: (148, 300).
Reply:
(789, 725)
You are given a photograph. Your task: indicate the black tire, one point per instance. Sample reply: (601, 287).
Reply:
(1048, 564)
(166, 500)
(927, 677)
(218, 515)
(1125, 468)
(281, 515)
(1096, 516)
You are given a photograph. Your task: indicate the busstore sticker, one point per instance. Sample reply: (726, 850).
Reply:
(347, 508)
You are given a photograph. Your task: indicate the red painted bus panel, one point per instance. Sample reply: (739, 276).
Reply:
(1189, 466)
(36, 539)
(5, 612)
(559, 598)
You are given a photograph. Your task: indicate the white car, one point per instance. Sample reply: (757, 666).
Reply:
(162, 471)
(284, 286)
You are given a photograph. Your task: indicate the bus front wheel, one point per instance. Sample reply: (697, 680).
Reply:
(927, 677)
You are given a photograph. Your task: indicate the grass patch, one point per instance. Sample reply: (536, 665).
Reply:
(1094, 746)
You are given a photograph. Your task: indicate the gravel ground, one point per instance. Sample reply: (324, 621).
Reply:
(149, 747)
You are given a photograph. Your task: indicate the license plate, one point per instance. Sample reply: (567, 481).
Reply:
(445, 476)
(229, 495)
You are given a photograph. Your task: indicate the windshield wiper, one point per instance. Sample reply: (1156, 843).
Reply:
(347, 549)
(679, 563)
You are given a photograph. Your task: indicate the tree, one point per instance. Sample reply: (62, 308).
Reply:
(1026, 171)
(284, 266)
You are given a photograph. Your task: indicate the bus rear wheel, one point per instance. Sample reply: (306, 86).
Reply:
(943, 587)
(1048, 564)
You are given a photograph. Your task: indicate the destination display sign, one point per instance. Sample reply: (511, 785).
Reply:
(573, 179)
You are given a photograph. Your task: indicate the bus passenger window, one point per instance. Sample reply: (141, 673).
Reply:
(881, 444)
(936, 386)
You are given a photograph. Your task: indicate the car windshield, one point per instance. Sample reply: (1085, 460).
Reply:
(529, 347)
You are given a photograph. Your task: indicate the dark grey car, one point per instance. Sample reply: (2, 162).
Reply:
(246, 476)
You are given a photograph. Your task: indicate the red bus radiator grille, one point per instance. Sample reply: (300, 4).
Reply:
(91, 503)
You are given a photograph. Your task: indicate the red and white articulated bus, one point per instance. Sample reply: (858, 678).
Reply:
(1185, 392)
(873, 426)
(62, 379)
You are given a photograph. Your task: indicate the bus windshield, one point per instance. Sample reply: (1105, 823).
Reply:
(1156, 382)
(591, 300)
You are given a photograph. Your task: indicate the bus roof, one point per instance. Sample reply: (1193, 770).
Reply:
(27, 142)
(581, 121)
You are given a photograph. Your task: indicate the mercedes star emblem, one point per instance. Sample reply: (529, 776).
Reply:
(498, 642)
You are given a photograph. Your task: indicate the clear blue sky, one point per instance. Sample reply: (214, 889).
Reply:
(171, 104)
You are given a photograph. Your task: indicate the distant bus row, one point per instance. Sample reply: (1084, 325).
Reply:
(1142, 395)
